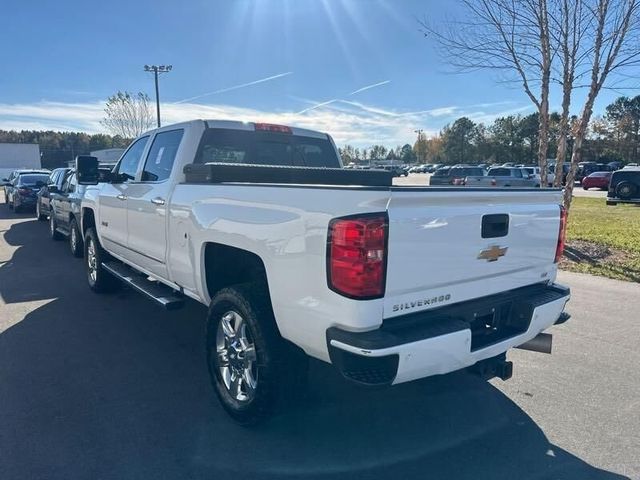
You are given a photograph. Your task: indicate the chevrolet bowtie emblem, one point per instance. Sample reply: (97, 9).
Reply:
(493, 253)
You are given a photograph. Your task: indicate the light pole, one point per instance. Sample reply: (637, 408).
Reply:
(419, 132)
(156, 69)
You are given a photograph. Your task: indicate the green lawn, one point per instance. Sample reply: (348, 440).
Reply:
(603, 240)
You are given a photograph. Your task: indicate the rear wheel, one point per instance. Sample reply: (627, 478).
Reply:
(39, 215)
(100, 281)
(75, 240)
(252, 368)
(53, 228)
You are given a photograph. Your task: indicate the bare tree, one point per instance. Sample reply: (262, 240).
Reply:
(568, 26)
(507, 35)
(128, 115)
(613, 34)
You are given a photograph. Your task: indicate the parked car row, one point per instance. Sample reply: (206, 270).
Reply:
(55, 196)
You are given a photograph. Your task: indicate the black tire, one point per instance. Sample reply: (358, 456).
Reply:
(16, 208)
(53, 232)
(278, 370)
(626, 190)
(585, 188)
(39, 215)
(102, 281)
(75, 239)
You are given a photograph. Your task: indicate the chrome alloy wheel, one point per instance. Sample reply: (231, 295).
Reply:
(236, 357)
(73, 240)
(92, 262)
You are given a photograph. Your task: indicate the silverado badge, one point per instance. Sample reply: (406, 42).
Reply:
(493, 253)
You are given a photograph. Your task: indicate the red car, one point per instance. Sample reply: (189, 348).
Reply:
(597, 179)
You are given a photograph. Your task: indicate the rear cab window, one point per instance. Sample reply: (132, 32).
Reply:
(219, 145)
(442, 172)
(32, 180)
(626, 175)
(162, 155)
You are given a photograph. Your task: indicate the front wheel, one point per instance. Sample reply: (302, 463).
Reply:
(75, 240)
(251, 367)
(100, 281)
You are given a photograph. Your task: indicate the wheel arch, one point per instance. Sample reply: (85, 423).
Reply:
(225, 265)
(87, 220)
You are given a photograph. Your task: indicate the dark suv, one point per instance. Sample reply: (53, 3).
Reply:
(624, 186)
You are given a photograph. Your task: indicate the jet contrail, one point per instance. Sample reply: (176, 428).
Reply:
(235, 87)
(370, 86)
(317, 105)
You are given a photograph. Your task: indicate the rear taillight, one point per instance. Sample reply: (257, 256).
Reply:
(493, 182)
(561, 234)
(357, 255)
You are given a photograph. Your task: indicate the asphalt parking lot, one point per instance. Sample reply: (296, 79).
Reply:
(423, 179)
(112, 387)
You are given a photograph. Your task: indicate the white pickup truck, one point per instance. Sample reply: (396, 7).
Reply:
(297, 257)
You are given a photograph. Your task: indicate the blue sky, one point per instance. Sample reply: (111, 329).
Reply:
(61, 59)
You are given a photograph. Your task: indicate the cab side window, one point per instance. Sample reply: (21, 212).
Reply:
(161, 156)
(129, 162)
(71, 184)
(66, 184)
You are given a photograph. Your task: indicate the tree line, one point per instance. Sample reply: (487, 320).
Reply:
(613, 136)
(58, 148)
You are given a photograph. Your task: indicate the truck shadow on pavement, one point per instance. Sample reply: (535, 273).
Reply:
(113, 387)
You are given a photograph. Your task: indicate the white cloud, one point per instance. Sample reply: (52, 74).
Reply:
(347, 121)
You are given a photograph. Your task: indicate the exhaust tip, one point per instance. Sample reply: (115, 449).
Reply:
(541, 343)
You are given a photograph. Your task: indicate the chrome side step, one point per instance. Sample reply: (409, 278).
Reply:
(156, 291)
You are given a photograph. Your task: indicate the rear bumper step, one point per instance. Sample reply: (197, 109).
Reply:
(449, 338)
(159, 293)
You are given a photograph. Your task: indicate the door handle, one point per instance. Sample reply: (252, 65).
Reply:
(121, 197)
(157, 201)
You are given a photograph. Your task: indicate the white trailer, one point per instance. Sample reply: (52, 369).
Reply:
(14, 156)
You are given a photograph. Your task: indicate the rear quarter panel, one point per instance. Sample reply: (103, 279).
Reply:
(286, 226)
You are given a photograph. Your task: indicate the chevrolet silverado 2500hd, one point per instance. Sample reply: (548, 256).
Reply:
(297, 257)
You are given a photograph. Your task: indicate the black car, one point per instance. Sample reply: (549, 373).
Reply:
(43, 202)
(7, 183)
(624, 186)
(64, 216)
(23, 191)
(455, 175)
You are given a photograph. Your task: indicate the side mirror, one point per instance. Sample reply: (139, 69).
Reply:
(53, 189)
(87, 170)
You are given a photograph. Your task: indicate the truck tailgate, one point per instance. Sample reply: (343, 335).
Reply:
(437, 254)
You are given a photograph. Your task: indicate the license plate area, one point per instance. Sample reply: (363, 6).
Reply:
(493, 324)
